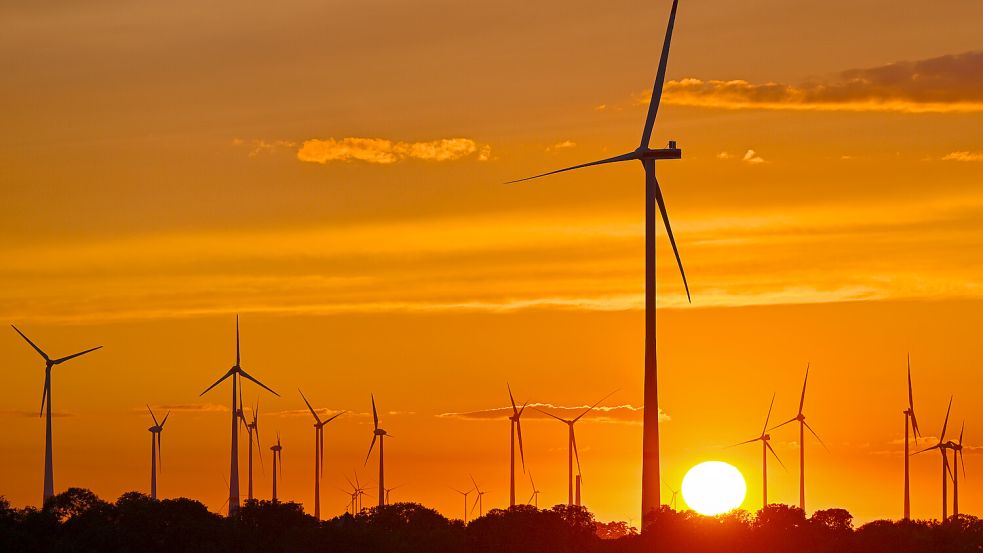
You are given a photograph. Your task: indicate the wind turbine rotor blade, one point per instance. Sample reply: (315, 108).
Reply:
(152, 416)
(44, 390)
(335, 416)
(789, 421)
(267, 388)
(768, 417)
(751, 441)
(74, 355)
(375, 414)
(515, 410)
(33, 345)
(313, 412)
(945, 462)
(672, 239)
(802, 401)
(615, 159)
(523, 408)
(475, 505)
(660, 79)
(163, 422)
(518, 428)
(816, 435)
(237, 340)
(217, 382)
(551, 415)
(596, 403)
(946, 423)
(474, 483)
(576, 454)
(160, 459)
(370, 450)
(531, 497)
(961, 430)
(936, 446)
(772, 450)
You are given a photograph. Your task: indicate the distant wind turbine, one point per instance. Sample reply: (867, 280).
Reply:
(765, 448)
(251, 426)
(801, 418)
(318, 453)
(235, 373)
(390, 490)
(514, 419)
(277, 456)
(534, 498)
(572, 444)
(909, 422)
(49, 478)
(155, 431)
(957, 458)
(381, 435)
(478, 500)
(946, 471)
(672, 500)
(653, 197)
(465, 494)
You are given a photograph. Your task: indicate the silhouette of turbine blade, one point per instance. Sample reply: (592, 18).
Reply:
(768, 417)
(589, 409)
(772, 450)
(911, 402)
(789, 421)
(751, 441)
(946, 423)
(615, 159)
(313, 412)
(264, 386)
(660, 79)
(163, 422)
(375, 414)
(515, 410)
(160, 458)
(152, 416)
(802, 401)
(219, 381)
(936, 446)
(74, 355)
(33, 345)
(475, 505)
(237, 340)
(44, 391)
(650, 173)
(518, 428)
(531, 497)
(816, 435)
(370, 450)
(335, 416)
(576, 454)
(551, 415)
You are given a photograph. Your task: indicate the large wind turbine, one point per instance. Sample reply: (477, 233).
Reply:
(942, 446)
(653, 198)
(909, 422)
(155, 431)
(957, 458)
(764, 438)
(516, 429)
(251, 426)
(235, 373)
(801, 418)
(572, 444)
(277, 456)
(381, 435)
(49, 478)
(318, 453)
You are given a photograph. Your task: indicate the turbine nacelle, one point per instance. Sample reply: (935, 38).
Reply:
(669, 152)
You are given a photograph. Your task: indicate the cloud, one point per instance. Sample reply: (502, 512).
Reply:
(32, 414)
(724, 155)
(945, 84)
(324, 413)
(752, 157)
(384, 151)
(186, 408)
(963, 156)
(566, 144)
(626, 414)
(257, 147)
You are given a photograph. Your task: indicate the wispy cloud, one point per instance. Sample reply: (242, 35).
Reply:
(185, 408)
(565, 145)
(31, 414)
(945, 84)
(257, 147)
(964, 156)
(752, 157)
(384, 151)
(626, 414)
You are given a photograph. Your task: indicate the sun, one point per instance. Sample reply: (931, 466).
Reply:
(714, 487)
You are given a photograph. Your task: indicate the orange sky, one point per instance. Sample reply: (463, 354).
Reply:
(332, 173)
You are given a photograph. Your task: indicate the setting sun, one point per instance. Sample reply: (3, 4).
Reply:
(714, 487)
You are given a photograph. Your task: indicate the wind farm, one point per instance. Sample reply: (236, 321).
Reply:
(431, 202)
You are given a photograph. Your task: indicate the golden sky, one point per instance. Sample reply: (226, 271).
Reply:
(332, 172)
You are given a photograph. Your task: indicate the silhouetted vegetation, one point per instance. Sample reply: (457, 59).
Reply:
(78, 521)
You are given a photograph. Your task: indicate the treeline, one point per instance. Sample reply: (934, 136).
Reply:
(78, 521)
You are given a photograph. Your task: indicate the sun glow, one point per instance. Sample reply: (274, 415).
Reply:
(714, 487)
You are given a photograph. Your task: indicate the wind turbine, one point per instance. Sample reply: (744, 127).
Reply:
(381, 435)
(946, 472)
(535, 492)
(277, 455)
(389, 490)
(155, 431)
(358, 491)
(235, 373)
(251, 426)
(957, 457)
(49, 478)
(572, 444)
(465, 494)
(478, 500)
(672, 500)
(764, 438)
(801, 418)
(653, 197)
(912, 422)
(318, 453)
(514, 419)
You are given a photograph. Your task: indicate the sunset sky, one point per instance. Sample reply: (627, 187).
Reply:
(332, 172)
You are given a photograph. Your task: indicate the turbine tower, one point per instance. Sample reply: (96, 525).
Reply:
(535, 492)
(514, 419)
(653, 198)
(572, 444)
(277, 456)
(155, 431)
(49, 478)
(381, 435)
(803, 425)
(235, 373)
(910, 422)
(251, 426)
(957, 458)
(318, 453)
(764, 438)
(946, 471)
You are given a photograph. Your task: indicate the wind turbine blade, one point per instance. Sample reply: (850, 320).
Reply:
(589, 409)
(751, 441)
(551, 415)
(523, 408)
(320, 453)
(237, 340)
(791, 420)
(152, 416)
(615, 159)
(816, 435)
(772, 450)
(74, 355)
(217, 382)
(475, 483)
(946, 423)
(911, 401)
(945, 462)
(259, 447)
(672, 239)
(475, 505)
(936, 446)
(660, 79)
(370, 450)
(335, 416)
(33, 345)
(245, 374)
(317, 418)
(518, 427)
(961, 430)
(767, 418)
(515, 410)
(163, 422)
(160, 459)
(963, 462)
(375, 414)
(531, 497)
(44, 391)
(573, 440)
(802, 401)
